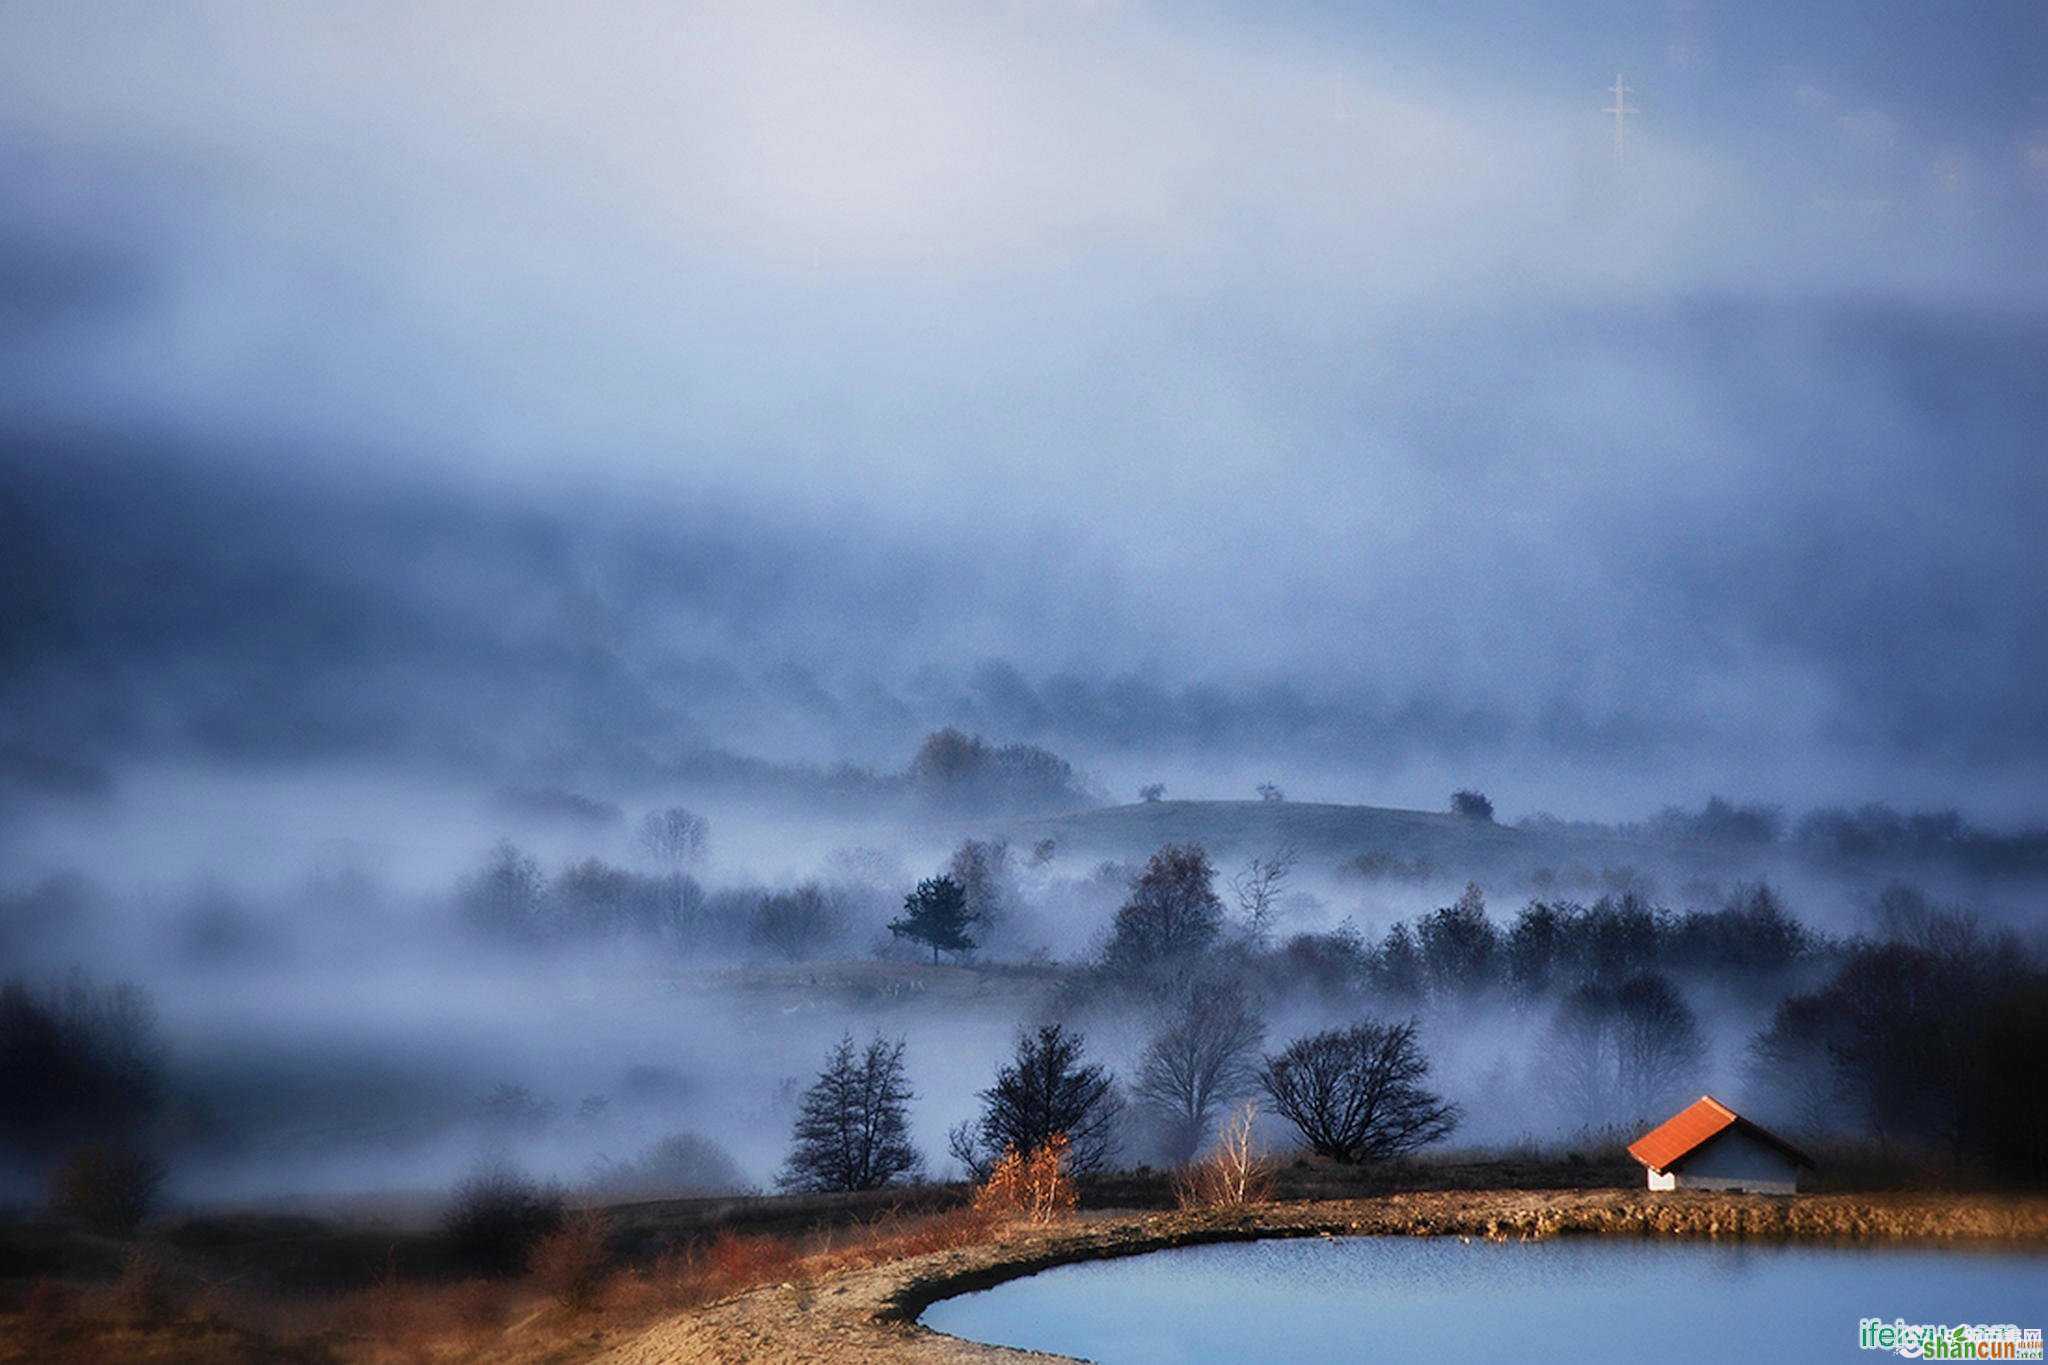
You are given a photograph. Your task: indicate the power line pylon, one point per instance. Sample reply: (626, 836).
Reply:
(1621, 109)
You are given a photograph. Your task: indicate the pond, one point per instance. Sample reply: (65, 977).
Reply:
(1406, 1298)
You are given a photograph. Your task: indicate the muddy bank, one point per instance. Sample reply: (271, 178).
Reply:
(870, 1314)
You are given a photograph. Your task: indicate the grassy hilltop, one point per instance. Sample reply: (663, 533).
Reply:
(1322, 832)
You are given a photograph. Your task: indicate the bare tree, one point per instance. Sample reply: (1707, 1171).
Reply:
(1356, 1094)
(508, 898)
(676, 837)
(1204, 1057)
(852, 1131)
(1619, 1054)
(1257, 889)
(1657, 1046)
(1270, 792)
(981, 869)
(1791, 1066)
(1577, 1063)
(1233, 1173)
(794, 923)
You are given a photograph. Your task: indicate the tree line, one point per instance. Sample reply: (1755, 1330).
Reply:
(1354, 1094)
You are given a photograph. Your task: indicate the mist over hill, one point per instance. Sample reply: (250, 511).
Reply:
(557, 566)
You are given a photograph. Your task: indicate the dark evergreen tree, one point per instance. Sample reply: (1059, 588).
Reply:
(852, 1132)
(1044, 1090)
(937, 914)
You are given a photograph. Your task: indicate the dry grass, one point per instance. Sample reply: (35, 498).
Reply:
(596, 1282)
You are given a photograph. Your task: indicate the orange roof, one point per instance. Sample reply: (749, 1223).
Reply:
(1699, 1123)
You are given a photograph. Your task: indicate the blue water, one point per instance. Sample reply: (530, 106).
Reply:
(1410, 1298)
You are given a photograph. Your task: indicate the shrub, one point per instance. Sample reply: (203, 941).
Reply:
(145, 1293)
(1032, 1187)
(570, 1262)
(109, 1187)
(795, 924)
(496, 1216)
(680, 1165)
(49, 1313)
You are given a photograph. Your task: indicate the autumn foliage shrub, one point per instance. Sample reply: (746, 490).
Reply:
(1033, 1187)
(570, 1263)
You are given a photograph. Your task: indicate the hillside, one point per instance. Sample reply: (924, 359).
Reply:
(1321, 833)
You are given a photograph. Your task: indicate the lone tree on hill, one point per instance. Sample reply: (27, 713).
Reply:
(1356, 1094)
(1044, 1091)
(852, 1132)
(1472, 805)
(937, 914)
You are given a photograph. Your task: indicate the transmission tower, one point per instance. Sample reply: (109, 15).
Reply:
(1621, 109)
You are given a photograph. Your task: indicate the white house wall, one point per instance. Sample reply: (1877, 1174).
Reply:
(1732, 1161)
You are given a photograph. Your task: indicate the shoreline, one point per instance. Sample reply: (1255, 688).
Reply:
(871, 1313)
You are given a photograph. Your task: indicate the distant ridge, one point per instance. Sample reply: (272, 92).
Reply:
(1322, 832)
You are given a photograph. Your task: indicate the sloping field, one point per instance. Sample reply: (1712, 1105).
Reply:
(1321, 833)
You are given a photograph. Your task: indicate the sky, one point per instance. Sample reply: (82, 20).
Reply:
(1212, 392)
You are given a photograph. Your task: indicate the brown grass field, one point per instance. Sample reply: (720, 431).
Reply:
(812, 1277)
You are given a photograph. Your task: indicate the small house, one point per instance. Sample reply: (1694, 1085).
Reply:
(1708, 1146)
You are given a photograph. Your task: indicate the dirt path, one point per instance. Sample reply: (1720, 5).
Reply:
(870, 1314)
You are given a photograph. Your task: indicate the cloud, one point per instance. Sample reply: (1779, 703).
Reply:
(598, 387)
